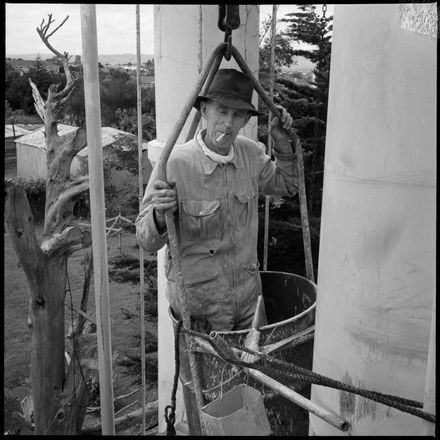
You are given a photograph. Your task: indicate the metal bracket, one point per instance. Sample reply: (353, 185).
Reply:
(228, 17)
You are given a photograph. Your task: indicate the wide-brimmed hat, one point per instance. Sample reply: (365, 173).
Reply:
(231, 88)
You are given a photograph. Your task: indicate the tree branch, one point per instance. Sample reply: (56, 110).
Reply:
(57, 28)
(39, 103)
(65, 147)
(42, 32)
(78, 247)
(60, 207)
(60, 97)
(60, 154)
(79, 141)
(72, 237)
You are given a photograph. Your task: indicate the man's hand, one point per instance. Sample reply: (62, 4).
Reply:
(279, 129)
(163, 197)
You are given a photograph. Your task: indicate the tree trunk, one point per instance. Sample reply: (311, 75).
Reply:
(53, 396)
(47, 356)
(59, 399)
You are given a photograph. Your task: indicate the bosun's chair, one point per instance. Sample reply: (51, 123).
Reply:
(228, 20)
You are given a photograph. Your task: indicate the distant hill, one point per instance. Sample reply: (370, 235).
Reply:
(124, 58)
(30, 56)
(300, 64)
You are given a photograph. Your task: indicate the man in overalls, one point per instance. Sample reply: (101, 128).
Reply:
(213, 186)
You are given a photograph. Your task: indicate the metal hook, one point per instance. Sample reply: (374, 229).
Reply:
(228, 17)
(228, 20)
(228, 40)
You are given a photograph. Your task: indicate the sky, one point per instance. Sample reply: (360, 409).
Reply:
(112, 20)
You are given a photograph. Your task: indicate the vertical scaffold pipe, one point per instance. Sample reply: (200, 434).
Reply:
(269, 138)
(141, 191)
(97, 210)
(169, 218)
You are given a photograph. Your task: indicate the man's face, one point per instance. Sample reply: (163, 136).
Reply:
(221, 119)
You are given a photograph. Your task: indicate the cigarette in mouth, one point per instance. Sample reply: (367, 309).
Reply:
(220, 137)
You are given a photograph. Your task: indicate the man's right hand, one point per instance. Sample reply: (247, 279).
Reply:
(163, 198)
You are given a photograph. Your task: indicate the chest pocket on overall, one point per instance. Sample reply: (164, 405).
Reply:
(200, 219)
(243, 206)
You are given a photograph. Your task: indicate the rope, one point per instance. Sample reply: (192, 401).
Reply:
(140, 195)
(265, 32)
(170, 410)
(295, 372)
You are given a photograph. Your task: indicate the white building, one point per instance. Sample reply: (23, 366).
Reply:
(31, 155)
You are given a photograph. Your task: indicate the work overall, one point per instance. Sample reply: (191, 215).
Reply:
(217, 229)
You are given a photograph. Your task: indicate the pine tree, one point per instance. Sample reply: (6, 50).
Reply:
(305, 98)
(283, 57)
(309, 102)
(40, 76)
(17, 90)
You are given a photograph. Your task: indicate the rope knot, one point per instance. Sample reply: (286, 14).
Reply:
(170, 418)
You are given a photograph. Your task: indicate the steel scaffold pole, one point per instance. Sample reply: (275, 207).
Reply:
(269, 139)
(141, 251)
(97, 212)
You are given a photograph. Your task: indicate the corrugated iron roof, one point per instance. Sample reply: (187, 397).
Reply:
(109, 136)
(20, 129)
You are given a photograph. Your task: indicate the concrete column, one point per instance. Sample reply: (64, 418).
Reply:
(376, 275)
(185, 37)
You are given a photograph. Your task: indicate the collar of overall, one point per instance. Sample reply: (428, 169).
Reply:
(211, 154)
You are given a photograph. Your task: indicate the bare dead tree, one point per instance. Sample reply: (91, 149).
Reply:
(60, 398)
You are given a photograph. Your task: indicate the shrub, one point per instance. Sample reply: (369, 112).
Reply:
(9, 112)
(19, 117)
(36, 195)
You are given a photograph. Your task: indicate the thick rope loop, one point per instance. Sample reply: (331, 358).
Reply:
(170, 418)
(170, 410)
(293, 371)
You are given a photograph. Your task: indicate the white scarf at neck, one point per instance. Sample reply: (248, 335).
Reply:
(211, 154)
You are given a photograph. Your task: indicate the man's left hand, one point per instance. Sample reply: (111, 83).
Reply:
(279, 132)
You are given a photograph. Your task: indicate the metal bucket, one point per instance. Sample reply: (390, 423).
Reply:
(290, 302)
(238, 412)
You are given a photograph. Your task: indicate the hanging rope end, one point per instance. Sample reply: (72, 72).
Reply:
(170, 419)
